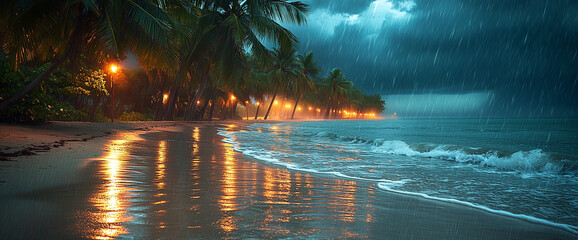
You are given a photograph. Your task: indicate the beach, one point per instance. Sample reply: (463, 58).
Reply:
(175, 180)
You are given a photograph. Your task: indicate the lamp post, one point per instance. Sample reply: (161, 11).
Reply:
(113, 69)
(233, 106)
(247, 108)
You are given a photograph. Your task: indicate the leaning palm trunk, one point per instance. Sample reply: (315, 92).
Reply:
(198, 94)
(272, 101)
(93, 108)
(172, 101)
(328, 110)
(188, 108)
(257, 112)
(57, 63)
(211, 112)
(199, 116)
(295, 107)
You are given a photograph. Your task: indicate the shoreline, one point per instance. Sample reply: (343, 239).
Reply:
(404, 207)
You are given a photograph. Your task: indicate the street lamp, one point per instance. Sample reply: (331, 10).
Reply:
(113, 69)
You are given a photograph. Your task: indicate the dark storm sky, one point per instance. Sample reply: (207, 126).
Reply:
(470, 58)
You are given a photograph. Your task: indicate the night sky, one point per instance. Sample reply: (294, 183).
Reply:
(452, 58)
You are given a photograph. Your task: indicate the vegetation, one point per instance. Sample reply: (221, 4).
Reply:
(201, 60)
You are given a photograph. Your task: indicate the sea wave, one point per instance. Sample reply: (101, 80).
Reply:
(526, 162)
(535, 160)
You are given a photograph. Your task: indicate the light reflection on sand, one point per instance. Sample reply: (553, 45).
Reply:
(111, 200)
(227, 202)
(270, 202)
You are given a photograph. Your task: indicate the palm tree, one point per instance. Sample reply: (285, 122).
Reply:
(63, 30)
(309, 71)
(337, 89)
(227, 28)
(285, 67)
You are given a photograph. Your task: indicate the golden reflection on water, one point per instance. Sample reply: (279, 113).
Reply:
(112, 199)
(160, 175)
(196, 161)
(228, 199)
(347, 200)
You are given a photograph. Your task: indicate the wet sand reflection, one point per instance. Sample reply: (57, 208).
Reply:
(190, 184)
(111, 200)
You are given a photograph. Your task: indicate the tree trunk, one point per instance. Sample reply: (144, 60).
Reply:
(159, 113)
(257, 112)
(295, 107)
(93, 108)
(198, 94)
(57, 63)
(233, 110)
(201, 114)
(328, 110)
(211, 112)
(187, 115)
(224, 111)
(272, 101)
(170, 107)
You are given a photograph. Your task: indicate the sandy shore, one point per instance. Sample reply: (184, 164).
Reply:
(180, 181)
(23, 140)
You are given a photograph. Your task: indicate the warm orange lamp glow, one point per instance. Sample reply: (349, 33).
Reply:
(165, 98)
(276, 103)
(113, 68)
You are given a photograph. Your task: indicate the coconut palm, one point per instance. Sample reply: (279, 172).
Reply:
(336, 87)
(63, 30)
(227, 28)
(285, 67)
(309, 71)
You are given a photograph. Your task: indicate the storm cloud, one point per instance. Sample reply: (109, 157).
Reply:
(523, 54)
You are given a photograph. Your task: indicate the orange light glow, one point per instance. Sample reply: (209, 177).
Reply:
(310, 108)
(257, 103)
(113, 68)
(276, 102)
(165, 98)
(247, 102)
(233, 97)
(299, 108)
(198, 102)
(288, 105)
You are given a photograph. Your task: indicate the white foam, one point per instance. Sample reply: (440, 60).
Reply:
(530, 160)
(526, 162)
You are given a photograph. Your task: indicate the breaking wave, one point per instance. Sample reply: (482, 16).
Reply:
(527, 162)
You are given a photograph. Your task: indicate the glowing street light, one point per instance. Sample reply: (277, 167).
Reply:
(247, 109)
(165, 98)
(233, 97)
(113, 69)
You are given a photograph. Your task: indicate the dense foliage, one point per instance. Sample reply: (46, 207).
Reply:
(201, 60)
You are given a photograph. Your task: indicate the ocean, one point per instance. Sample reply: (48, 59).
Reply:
(524, 168)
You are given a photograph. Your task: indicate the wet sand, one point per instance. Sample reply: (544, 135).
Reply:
(183, 182)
